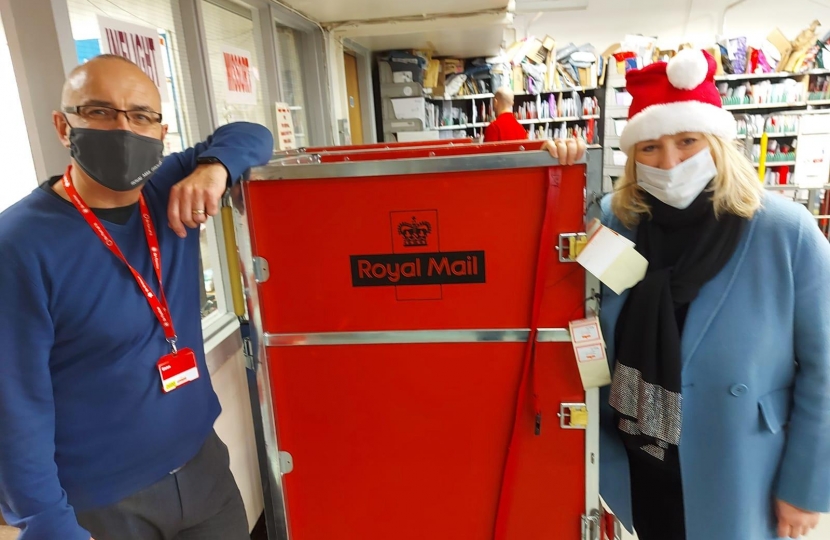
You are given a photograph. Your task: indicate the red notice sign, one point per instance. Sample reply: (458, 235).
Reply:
(240, 74)
(139, 44)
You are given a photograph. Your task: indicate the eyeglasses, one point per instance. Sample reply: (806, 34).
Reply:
(97, 113)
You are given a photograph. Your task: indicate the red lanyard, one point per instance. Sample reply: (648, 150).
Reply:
(158, 305)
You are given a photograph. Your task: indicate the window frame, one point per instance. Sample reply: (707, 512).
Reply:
(314, 66)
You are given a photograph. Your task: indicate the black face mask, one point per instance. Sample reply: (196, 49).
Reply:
(117, 159)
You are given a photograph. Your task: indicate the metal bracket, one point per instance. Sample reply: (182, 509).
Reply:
(248, 353)
(261, 270)
(286, 462)
(573, 416)
(591, 526)
(571, 245)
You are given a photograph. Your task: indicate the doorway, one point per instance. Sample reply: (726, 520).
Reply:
(353, 91)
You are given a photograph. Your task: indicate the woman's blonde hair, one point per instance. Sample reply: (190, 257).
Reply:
(736, 188)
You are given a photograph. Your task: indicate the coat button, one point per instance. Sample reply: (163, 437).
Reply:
(738, 390)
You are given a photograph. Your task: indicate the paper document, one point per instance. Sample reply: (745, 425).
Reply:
(620, 158)
(410, 108)
(413, 136)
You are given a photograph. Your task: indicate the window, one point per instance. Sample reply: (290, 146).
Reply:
(291, 80)
(20, 175)
(234, 52)
(178, 111)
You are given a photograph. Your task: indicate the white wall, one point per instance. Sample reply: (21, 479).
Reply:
(19, 177)
(674, 21)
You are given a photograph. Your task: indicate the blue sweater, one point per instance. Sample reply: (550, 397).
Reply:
(83, 420)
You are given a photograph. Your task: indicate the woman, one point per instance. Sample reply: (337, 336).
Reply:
(717, 423)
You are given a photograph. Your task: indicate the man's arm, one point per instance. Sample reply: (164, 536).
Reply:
(193, 187)
(31, 497)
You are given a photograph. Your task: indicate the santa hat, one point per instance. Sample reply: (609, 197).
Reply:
(675, 97)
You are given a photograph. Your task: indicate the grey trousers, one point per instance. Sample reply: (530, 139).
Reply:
(201, 501)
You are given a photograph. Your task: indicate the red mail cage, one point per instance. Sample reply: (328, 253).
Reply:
(414, 368)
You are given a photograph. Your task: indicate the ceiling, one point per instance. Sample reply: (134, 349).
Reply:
(328, 11)
(464, 43)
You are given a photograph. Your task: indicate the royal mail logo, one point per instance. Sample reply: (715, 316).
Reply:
(450, 268)
(414, 232)
(416, 259)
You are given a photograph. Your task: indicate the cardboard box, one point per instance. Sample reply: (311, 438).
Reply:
(432, 74)
(452, 65)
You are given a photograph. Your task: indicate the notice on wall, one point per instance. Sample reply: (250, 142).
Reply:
(239, 73)
(139, 44)
(285, 128)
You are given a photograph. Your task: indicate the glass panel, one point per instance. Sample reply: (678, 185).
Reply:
(291, 79)
(234, 58)
(208, 296)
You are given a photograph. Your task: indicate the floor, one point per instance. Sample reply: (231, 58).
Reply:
(8, 533)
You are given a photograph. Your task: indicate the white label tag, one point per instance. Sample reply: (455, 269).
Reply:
(589, 350)
(612, 259)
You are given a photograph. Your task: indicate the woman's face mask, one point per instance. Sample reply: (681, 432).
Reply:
(680, 185)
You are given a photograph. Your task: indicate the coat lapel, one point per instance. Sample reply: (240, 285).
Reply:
(711, 299)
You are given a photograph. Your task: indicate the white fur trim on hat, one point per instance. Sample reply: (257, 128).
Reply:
(673, 118)
(688, 69)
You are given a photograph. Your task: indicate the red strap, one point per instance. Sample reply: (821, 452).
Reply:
(546, 244)
(158, 305)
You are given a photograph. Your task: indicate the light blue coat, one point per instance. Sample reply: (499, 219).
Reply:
(755, 379)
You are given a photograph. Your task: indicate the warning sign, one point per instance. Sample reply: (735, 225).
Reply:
(286, 139)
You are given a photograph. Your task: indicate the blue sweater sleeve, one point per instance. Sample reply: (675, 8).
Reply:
(31, 497)
(805, 468)
(238, 146)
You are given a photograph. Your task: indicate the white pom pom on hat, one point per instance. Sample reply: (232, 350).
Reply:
(688, 69)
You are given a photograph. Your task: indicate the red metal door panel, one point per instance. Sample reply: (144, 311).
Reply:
(432, 151)
(384, 146)
(475, 211)
(407, 442)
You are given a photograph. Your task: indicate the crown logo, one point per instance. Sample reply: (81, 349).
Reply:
(415, 232)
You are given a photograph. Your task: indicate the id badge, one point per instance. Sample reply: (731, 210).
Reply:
(176, 370)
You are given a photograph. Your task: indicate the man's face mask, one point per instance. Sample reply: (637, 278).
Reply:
(118, 160)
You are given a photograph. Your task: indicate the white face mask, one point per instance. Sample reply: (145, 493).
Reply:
(680, 185)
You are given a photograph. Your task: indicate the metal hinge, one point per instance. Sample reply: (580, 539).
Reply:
(571, 245)
(573, 416)
(286, 463)
(261, 270)
(591, 526)
(248, 352)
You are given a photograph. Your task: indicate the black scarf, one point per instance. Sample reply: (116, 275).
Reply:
(685, 249)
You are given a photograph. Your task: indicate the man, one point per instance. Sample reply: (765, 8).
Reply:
(505, 127)
(106, 405)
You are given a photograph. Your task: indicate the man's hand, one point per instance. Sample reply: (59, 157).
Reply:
(794, 522)
(196, 197)
(567, 151)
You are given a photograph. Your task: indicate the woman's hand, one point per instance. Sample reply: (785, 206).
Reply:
(567, 151)
(794, 522)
